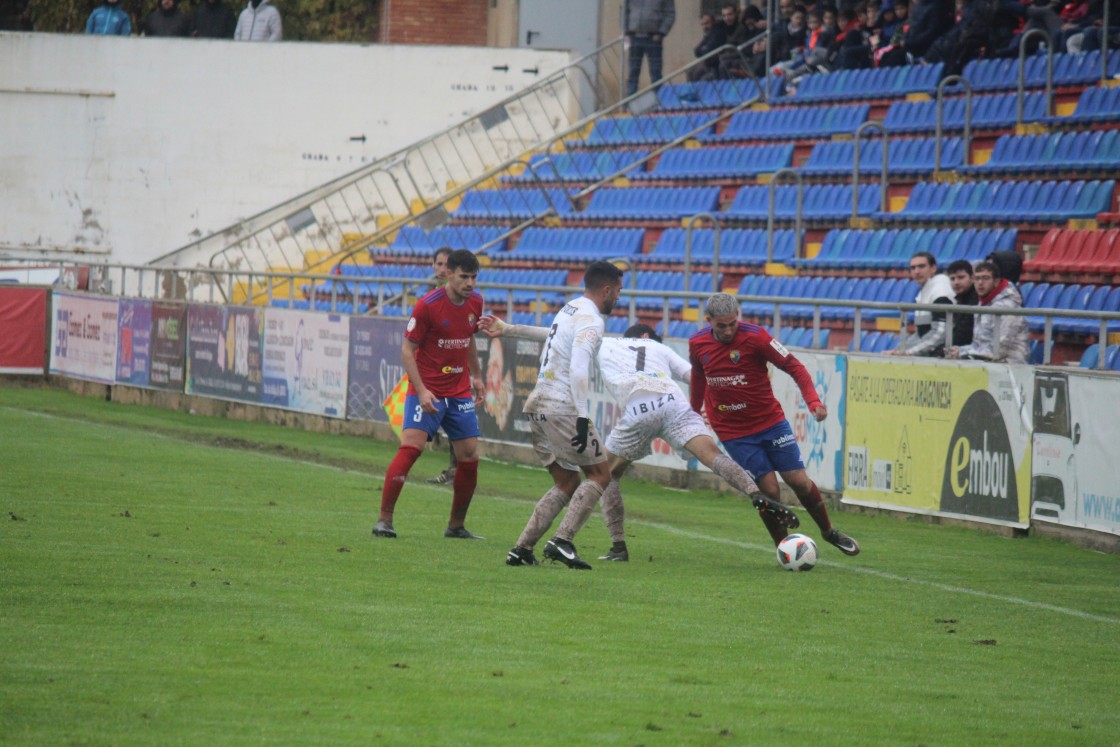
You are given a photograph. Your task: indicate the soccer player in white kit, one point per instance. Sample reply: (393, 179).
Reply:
(638, 370)
(564, 437)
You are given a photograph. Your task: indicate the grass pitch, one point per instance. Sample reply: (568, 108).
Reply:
(168, 579)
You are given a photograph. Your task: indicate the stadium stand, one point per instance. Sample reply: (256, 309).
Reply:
(1046, 190)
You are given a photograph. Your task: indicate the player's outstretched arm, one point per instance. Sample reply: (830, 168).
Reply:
(492, 326)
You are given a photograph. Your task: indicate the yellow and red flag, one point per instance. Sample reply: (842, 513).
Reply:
(394, 405)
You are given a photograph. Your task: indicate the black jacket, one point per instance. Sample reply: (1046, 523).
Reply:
(214, 21)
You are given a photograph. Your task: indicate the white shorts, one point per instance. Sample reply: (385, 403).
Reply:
(552, 441)
(665, 416)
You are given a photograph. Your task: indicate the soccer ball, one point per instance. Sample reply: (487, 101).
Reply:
(797, 553)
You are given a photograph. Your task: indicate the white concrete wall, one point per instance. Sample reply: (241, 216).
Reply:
(130, 148)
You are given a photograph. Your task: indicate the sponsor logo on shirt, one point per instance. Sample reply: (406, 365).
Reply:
(452, 369)
(736, 380)
(779, 347)
(454, 344)
(411, 324)
(732, 408)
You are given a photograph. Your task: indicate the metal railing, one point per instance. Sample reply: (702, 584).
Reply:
(326, 218)
(333, 293)
(940, 125)
(1022, 83)
(884, 184)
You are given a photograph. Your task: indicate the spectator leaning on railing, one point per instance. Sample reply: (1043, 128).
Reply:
(929, 337)
(996, 338)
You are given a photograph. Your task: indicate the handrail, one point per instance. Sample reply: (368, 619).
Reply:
(545, 145)
(797, 248)
(1105, 20)
(952, 80)
(688, 250)
(259, 222)
(633, 270)
(883, 184)
(1022, 72)
(150, 283)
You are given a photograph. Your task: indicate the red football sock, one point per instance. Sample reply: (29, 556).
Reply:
(394, 479)
(466, 478)
(814, 504)
(777, 531)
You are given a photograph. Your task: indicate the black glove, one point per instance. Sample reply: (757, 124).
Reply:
(579, 441)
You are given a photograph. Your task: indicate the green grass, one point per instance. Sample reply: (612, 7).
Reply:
(168, 579)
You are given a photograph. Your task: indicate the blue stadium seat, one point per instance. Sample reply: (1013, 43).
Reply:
(413, 241)
(514, 203)
(650, 203)
(712, 163)
(1096, 104)
(577, 245)
(791, 123)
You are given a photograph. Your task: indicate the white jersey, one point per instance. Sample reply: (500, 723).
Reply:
(636, 366)
(576, 332)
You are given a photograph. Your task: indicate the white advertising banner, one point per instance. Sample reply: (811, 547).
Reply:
(1075, 475)
(821, 444)
(306, 359)
(84, 336)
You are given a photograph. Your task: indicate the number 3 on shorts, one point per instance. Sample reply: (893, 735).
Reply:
(418, 415)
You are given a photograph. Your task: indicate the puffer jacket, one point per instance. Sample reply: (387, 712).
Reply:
(999, 338)
(259, 24)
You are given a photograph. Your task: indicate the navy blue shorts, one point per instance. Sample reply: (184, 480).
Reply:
(771, 450)
(455, 414)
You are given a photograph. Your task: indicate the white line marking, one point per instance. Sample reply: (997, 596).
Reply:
(651, 524)
(892, 577)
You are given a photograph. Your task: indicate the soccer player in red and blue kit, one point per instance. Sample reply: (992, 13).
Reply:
(730, 382)
(445, 381)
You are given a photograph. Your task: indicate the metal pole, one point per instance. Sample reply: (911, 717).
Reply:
(1022, 71)
(855, 166)
(952, 80)
(770, 214)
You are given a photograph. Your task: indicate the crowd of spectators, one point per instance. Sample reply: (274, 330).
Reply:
(210, 19)
(821, 37)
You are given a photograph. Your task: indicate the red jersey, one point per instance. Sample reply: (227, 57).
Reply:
(732, 382)
(444, 331)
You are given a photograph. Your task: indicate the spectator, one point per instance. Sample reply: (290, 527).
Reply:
(167, 20)
(729, 19)
(960, 277)
(647, 24)
(108, 19)
(213, 19)
(929, 21)
(815, 54)
(747, 25)
(714, 37)
(934, 288)
(260, 21)
(996, 338)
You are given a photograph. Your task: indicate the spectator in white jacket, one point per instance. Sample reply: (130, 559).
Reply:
(996, 338)
(260, 21)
